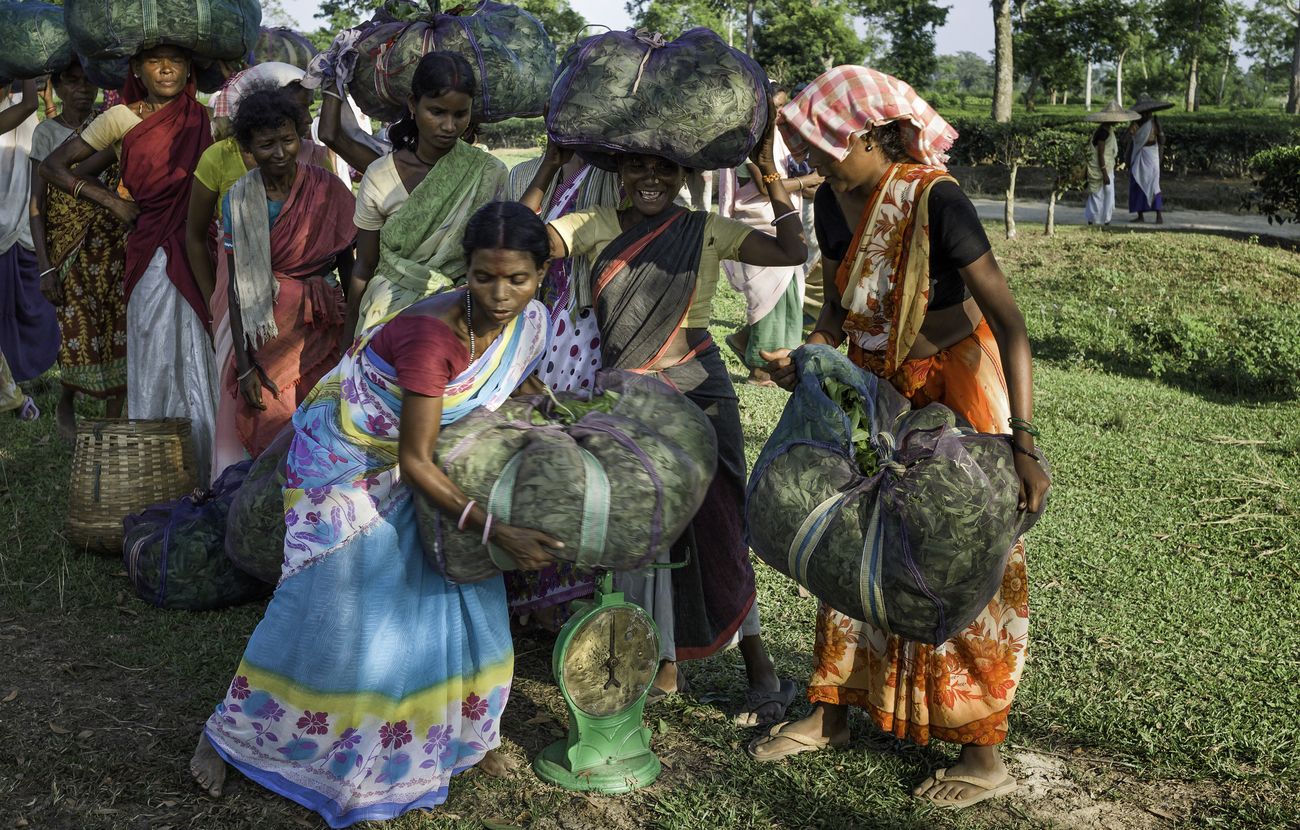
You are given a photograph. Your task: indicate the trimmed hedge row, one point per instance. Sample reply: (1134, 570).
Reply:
(1221, 144)
(1277, 184)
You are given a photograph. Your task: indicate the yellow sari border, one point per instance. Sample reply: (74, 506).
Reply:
(414, 706)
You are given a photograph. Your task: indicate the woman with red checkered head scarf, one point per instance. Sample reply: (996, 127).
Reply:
(913, 286)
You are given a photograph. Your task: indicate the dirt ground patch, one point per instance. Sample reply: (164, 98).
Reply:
(88, 741)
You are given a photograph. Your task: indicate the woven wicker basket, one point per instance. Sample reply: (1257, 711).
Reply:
(121, 466)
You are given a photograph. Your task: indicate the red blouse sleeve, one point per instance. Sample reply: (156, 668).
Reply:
(424, 351)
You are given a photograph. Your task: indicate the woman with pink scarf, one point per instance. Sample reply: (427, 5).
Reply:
(912, 285)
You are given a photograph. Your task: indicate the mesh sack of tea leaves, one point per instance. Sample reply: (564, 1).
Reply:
(33, 40)
(175, 552)
(215, 29)
(512, 57)
(615, 475)
(255, 532)
(694, 100)
(902, 518)
(281, 45)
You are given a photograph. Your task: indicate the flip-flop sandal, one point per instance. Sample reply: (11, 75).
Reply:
(29, 410)
(656, 694)
(988, 789)
(796, 744)
(754, 700)
(730, 340)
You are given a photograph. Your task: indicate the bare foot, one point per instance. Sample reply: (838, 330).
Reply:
(498, 764)
(978, 762)
(208, 768)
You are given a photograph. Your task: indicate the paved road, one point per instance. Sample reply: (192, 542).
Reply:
(1030, 216)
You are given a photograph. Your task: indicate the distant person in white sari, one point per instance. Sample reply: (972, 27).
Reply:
(1146, 152)
(1099, 206)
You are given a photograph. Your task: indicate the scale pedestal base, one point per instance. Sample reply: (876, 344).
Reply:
(614, 776)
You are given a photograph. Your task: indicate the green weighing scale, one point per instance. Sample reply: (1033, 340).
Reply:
(605, 659)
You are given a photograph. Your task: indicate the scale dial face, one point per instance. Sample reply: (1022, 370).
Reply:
(611, 660)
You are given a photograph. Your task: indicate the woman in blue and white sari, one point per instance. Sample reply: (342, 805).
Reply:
(371, 681)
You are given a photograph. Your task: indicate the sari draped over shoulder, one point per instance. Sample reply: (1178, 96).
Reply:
(335, 704)
(960, 691)
(158, 159)
(420, 245)
(291, 313)
(644, 282)
(885, 283)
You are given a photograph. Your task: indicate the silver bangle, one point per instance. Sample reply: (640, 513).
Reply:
(48, 271)
(784, 215)
(331, 93)
(251, 370)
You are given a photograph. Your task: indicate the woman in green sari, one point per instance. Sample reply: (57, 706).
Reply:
(413, 203)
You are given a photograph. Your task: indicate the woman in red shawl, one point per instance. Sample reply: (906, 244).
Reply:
(912, 285)
(287, 225)
(158, 134)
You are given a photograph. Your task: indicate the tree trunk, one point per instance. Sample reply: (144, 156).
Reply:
(1087, 89)
(1119, 78)
(1293, 97)
(1009, 211)
(1223, 78)
(1189, 103)
(1142, 62)
(1049, 229)
(1054, 96)
(749, 27)
(1004, 83)
(1030, 91)
(1065, 98)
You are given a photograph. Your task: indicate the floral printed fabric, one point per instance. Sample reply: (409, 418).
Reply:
(89, 246)
(885, 284)
(960, 691)
(371, 681)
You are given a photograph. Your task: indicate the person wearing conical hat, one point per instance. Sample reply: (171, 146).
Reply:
(1102, 150)
(1146, 152)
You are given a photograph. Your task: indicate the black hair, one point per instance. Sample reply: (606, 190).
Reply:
(507, 225)
(890, 138)
(56, 77)
(265, 107)
(437, 74)
(776, 87)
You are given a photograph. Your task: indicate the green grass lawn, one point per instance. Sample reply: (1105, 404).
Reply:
(1161, 688)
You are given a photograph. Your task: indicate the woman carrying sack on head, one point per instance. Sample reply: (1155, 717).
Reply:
(543, 595)
(913, 286)
(413, 203)
(158, 135)
(654, 273)
(286, 226)
(371, 680)
(81, 250)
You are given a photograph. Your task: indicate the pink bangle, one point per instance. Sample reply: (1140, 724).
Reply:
(469, 505)
(487, 529)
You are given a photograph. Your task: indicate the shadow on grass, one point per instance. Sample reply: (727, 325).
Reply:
(1211, 380)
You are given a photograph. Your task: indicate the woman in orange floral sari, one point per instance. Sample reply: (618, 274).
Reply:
(912, 284)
